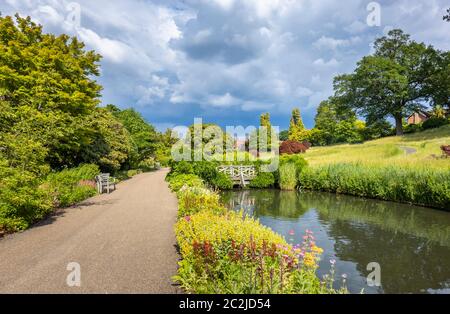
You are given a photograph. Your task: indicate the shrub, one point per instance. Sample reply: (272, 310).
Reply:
(147, 164)
(222, 182)
(133, 172)
(293, 147)
(419, 186)
(25, 200)
(435, 123)
(263, 180)
(412, 128)
(192, 200)
(190, 180)
(65, 187)
(182, 167)
(22, 202)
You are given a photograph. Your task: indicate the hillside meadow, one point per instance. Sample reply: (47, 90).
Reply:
(412, 150)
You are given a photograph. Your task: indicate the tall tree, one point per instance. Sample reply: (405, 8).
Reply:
(335, 123)
(394, 81)
(48, 82)
(296, 127)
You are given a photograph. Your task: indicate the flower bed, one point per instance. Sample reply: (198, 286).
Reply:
(226, 252)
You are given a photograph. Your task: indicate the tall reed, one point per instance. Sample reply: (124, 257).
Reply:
(418, 185)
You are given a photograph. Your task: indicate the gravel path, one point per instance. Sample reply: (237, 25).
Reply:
(409, 150)
(124, 243)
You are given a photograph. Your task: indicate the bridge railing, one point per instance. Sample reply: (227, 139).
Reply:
(236, 172)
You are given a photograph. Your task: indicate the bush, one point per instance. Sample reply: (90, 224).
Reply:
(419, 186)
(70, 186)
(412, 128)
(182, 167)
(22, 202)
(24, 199)
(192, 200)
(190, 180)
(434, 122)
(293, 147)
(222, 182)
(263, 180)
(147, 164)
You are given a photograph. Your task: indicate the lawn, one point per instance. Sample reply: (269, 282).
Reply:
(411, 150)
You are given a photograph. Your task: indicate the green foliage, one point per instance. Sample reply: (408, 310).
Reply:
(22, 202)
(206, 170)
(412, 128)
(290, 167)
(70, 186)
(147, 164)
(385, 83)
(288, 177)
(297, 130)
(284, 135)
(419, 186)
(192, 200)
(176, 182)
(335, 123)
(24, 199)
(299, 162)
(144, 138)
(224, 252)
(263, 180)
(50, 121)
(435, 122)
(222, 182)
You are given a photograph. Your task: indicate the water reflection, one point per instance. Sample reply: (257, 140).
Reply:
(412, 244)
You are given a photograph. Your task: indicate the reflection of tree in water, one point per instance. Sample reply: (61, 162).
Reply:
(427, 223)
(410, 243)
(270, 203)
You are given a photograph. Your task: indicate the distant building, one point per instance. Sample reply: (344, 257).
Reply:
(418, 117)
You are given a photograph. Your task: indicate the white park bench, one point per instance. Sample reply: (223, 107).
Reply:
(105, 183)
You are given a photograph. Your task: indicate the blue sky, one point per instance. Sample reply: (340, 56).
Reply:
(228, 60)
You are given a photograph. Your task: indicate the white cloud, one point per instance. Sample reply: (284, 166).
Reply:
(227, 56)
(112, 50)
(322, 63)
(226, 100)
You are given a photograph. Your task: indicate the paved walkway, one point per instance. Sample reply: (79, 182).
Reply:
(124, 243)
(409, 150)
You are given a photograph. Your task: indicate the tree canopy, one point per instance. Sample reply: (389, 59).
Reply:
(401, 77)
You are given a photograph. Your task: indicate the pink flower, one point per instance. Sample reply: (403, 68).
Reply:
(187, 218)
(291, 232)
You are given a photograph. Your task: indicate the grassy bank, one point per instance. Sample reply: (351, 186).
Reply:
(411, 150)
(421, 186)
(402, 169)
(224, 252)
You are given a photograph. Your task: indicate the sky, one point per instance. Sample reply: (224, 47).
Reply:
(227, 61)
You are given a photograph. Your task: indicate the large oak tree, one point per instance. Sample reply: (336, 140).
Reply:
(402, 76)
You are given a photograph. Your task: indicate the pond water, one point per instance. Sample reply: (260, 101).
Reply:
(411, 244)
